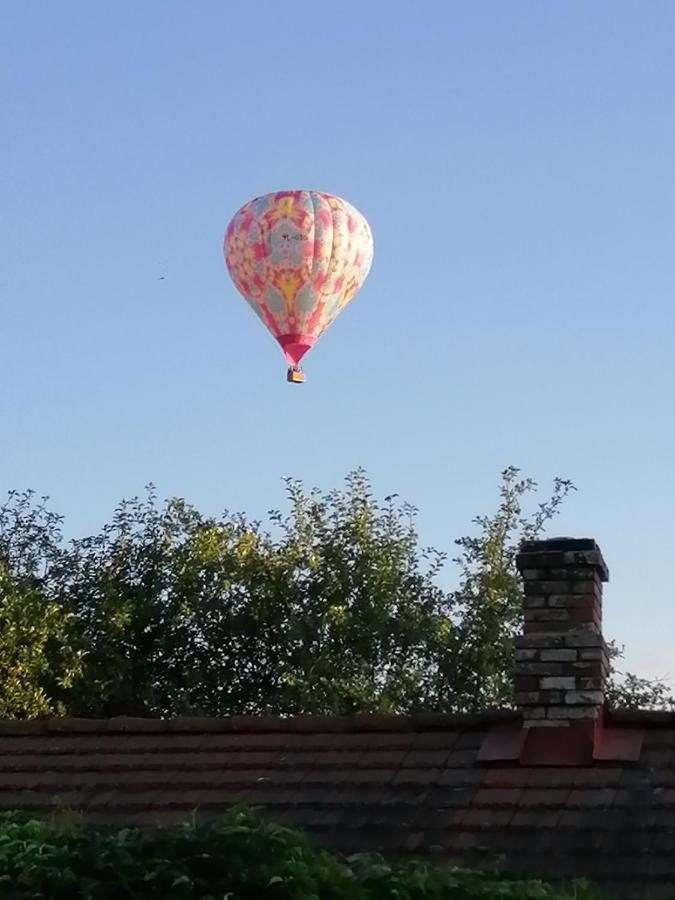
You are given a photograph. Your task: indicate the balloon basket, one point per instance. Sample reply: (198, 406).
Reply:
(295, 375)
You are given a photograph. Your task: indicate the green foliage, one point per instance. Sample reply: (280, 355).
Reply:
(37, 656)
(486, 609)
(628, 691)
(234, 858)
(333, 608)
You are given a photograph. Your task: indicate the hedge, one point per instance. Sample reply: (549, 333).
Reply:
(236, 857)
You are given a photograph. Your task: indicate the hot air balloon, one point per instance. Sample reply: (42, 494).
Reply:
(298, 258)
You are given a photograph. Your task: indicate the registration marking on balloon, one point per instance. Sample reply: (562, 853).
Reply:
(298, 258)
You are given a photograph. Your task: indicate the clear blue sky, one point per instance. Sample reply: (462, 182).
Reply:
(516, 162)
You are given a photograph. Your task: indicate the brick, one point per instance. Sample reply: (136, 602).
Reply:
(573, 601)
(581, 698)
(548, 587)
(591, 684)
(546, 615)
(575, 573)
(533, 574)
(532, 641)
(583, 638)
(538, 698)
(573, 712)
(545, 629)
(547, 698)
(539, 668)
(524, 655)
(589, 669)
(539, 560)
(592, 653)
(534, 602)
(564, 655)
(563, 628)
(561, 683)
(583, 614)
(583, 587)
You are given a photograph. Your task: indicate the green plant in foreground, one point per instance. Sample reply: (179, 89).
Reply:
(237, 857)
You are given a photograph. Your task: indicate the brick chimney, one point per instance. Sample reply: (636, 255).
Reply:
(561, 658)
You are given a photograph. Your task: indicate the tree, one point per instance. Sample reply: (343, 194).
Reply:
(37, 655)
(333, 608)
(177, 612)
(486, 608)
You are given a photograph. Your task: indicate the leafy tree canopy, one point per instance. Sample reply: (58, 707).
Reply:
(332, 608)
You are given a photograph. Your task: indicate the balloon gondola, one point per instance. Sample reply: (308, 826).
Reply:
(295, 375)
(298, 258)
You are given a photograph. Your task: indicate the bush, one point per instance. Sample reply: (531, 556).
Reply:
(234, 858)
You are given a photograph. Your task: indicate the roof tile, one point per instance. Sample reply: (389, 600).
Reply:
(497, 797)
(406, 785)
(382, 759)
(543, 797)
(425, 759)
(416, 776)
(596, 798)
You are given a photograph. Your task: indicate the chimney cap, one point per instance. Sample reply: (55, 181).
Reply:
(560, 552)
(558, 544)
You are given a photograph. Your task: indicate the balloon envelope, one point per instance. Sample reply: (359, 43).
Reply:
(298, 258)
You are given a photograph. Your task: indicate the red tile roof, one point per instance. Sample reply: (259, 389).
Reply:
(397, 784)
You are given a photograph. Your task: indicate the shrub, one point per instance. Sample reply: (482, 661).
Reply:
(236, 857)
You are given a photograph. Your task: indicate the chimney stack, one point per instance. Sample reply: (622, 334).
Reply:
(561, 658)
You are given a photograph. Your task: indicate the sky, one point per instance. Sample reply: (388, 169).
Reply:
(515, 162)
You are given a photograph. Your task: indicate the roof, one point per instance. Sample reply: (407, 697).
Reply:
(403, 785)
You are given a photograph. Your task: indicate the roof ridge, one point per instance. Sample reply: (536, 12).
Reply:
(361, 722)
